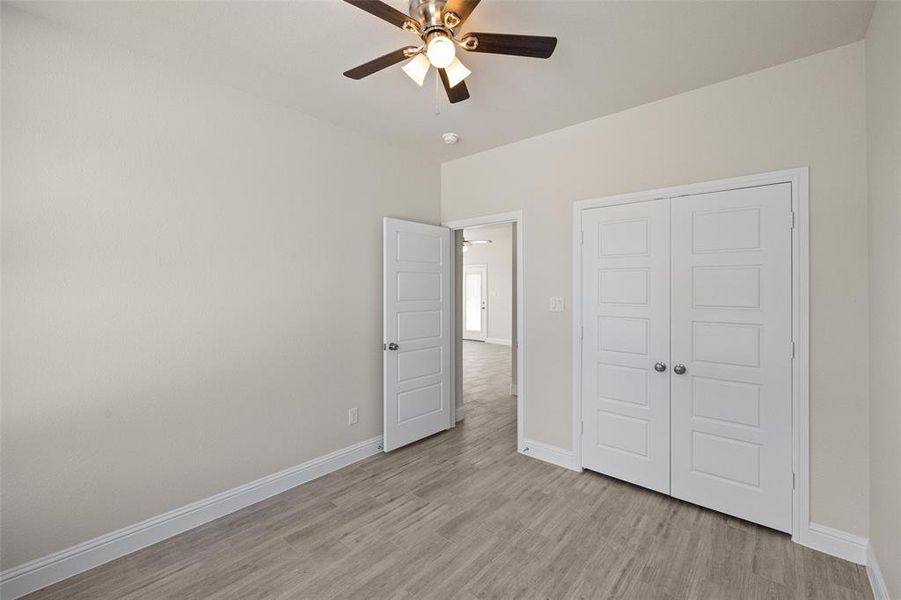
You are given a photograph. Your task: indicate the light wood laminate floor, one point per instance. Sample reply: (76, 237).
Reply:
(462, 515)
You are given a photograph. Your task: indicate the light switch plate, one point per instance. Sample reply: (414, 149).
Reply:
(556, 303)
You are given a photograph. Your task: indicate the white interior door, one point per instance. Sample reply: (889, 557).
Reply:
(475, 302)
(417, 349)
(731, 329)
(625, 319)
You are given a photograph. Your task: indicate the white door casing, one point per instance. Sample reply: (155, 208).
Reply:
(625, 321)
(732, 330)
(475, 302)
(417, 333)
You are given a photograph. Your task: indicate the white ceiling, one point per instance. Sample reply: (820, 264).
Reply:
(610, 56)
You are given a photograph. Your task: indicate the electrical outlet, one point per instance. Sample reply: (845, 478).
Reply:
(353, 416)
(556, 304)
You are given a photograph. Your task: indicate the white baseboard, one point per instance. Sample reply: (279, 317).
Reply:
(40, 573)
(835, 542)
(880, 590)
(550, 454)
(500, 341)
(34, 575)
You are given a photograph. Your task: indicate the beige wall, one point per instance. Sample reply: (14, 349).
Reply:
(883, 45)
(498, 257)
(177, 318)
(168, 280)
(808, 112)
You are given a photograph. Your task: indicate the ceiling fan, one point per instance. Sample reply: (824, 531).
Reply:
(437, 23)
(468, 243)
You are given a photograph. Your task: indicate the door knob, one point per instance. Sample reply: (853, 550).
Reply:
(660, 367)
(679, 369)
(393, 346)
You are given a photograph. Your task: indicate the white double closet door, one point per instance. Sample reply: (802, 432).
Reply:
(687, 350)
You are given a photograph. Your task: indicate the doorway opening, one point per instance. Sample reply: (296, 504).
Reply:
(488, 324)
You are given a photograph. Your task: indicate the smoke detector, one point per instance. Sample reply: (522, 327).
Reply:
(450, 138)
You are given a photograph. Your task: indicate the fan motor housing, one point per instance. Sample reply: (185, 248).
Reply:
(428, 13)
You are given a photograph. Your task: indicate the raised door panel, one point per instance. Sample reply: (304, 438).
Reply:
(625, 318)
(417, 331)
(731, 328)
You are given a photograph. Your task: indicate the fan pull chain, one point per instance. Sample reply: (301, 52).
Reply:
(437, 95)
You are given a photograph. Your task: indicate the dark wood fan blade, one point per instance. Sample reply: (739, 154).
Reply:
(461, 8)
(392, 58)
(535, 46)
(382, 11)
(455, 94)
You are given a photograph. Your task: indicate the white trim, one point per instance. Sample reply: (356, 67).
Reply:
(452, 287)
(874, 574)
(835, 543)
(801, 526)
(41, 572)
(576, 357)
(496, 219)
(508, 217)
(550, 454)
(801, 364)
(499, 341)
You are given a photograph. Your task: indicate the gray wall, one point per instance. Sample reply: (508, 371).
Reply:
(191, 286)
(176, 259)
(884, 183)
(807, 112)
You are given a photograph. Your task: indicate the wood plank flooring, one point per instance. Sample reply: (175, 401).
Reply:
(463, 515)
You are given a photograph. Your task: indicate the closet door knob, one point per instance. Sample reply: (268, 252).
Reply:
(679, 369)
(660, 367)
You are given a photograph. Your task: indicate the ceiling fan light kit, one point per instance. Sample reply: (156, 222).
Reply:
(437, 23)
(440, 50)
(417, 68)
(456, 72)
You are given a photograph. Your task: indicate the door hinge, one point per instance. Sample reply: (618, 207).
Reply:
(582, 333)
(583, 427)
(791, 220)
(792, 350)
(793, 480)
(582, 237)
(384, 346)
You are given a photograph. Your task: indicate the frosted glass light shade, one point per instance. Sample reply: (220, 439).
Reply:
(440, 51)
(456, 72)
(417, 68)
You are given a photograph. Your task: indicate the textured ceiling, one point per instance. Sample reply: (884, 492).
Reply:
(611, 56)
